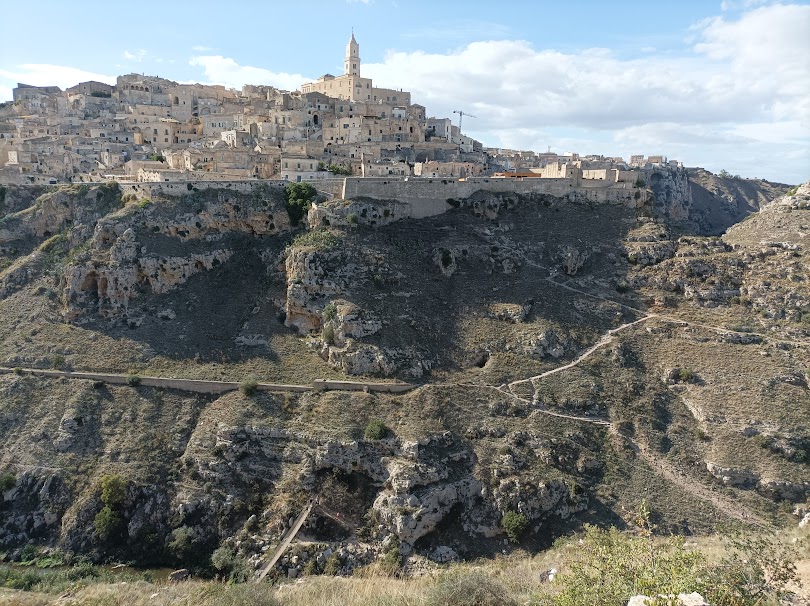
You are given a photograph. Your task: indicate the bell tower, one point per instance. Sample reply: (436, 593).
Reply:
(351, 63)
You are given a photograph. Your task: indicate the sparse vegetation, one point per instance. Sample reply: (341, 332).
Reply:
(469, 589)
(514, 524)
(249, 387)
(7, 481)
(375, 430)
(320, 239)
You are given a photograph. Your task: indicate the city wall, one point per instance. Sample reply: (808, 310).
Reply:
(421, 197)
(428, 197)
(180, 188)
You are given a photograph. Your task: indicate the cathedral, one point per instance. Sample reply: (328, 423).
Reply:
(352, 86)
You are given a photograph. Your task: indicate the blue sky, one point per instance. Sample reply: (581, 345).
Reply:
(724, 85)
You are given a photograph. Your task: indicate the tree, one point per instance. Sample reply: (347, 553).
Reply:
(109, 522)
(375, 430)
(514, 524)
(297, 199)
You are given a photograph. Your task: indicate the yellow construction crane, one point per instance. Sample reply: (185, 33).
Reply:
(461, 115)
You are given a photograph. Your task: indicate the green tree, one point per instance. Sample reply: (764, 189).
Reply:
(297, 199)
(109, 522)
(514, 524)
(375, 430)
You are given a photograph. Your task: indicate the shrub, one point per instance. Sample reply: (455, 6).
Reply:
(469, 589)
(297, 199)
(391, 562)
(133, 380)
(514, 524)
(249, 387)
(108, 523)
(375, 430)
(113, 490)
(7, 481)
(686, 375)
(330, 311)
(332, 565)
(320, 239)
(181, 544)
(230, 564)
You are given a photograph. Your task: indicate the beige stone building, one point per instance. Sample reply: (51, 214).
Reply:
(351, 86)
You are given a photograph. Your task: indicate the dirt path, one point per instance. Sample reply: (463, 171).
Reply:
(203, 386)
(285, 542)
(668, 472)
(605, 340)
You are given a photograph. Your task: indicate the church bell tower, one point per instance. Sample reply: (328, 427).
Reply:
(351, 64)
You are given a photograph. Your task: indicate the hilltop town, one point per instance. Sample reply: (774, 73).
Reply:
(149, 129)
(282, 337)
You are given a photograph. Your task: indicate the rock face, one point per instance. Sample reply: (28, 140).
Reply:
(135, 252)
(775, 489)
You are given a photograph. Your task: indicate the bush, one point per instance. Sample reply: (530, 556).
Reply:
(113, 490)
(108, 523)
(182, 542)
(686, 375)
(332, 565)
(249, 387)
(7, 481)
(469, 589)
(133, 380)
(329, 312)
(375, 430)
(320, 239)
(514, 524)
(232, 566)
(297, 199)
(609, 565)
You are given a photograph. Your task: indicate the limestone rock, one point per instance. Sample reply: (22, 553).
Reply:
(733, 477)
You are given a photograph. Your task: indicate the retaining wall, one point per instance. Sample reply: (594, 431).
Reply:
(181, 188)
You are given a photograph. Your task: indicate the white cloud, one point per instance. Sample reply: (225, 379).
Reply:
(136, 56)
(746, 70)
(226, 71)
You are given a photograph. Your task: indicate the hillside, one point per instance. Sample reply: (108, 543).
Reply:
(568, 359)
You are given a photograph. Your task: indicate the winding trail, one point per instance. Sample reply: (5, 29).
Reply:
(657, 464)
(606, 339)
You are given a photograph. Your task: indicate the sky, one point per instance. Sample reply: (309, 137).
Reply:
(720, 84)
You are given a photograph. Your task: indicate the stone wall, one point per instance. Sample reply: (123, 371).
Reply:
(180, 188)
(428, 197)
(424, 197)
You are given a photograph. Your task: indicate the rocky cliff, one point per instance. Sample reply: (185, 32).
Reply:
(568, 357)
